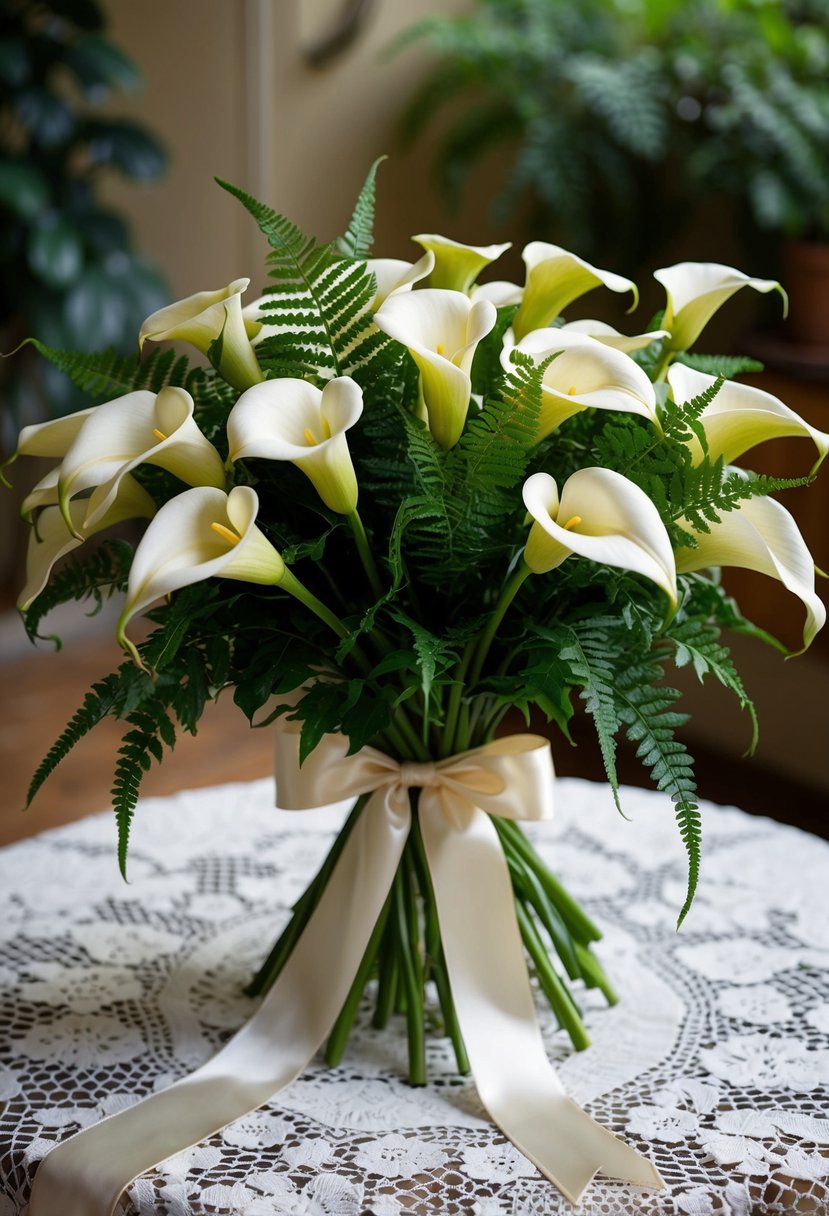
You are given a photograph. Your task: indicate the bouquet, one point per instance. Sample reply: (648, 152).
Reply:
(398, 504)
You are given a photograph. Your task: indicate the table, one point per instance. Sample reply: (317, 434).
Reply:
(715, 1063)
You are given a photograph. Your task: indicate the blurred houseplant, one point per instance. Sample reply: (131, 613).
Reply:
(68, 272)
(622, 116)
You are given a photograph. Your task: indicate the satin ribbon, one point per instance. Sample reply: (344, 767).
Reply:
(511, 777)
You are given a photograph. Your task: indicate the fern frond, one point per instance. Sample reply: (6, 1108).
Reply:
(97, 704)
(107, 374)
(358, 238)
(727, 367)
(698, 643)
(586, 652)
(151, 728)
(104, 571)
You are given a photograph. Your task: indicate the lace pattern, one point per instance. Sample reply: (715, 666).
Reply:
(715, 1063)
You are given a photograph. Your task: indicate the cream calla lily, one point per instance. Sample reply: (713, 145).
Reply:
(393, 274)
(138, 428)
(457, 266)
(499, 292)
(51, 539)
(289, 419)
(554, 279)
(740, 416)
(611, 337)
(201, 533)
(760, 535)
(602, 516)
(584, 374)
(695, 290)
(441, 330)
(203, 319)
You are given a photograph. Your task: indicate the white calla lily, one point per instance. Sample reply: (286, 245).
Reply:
(204, 318)
(201, 533)
(51, 539)
(611, 337)
(457, 266)
(289, 419)
(554, 279)
(760, 535)
(393, 274)
(441, 330)
(138, 428)
(740, 416)
(695, 290)
(499, 292)
(584, 374)
(602, 516)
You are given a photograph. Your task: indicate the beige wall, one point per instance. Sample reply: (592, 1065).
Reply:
(229, 90)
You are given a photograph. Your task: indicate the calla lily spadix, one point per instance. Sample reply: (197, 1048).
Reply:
(695, 290)
(289, 419)
(555, 278)
(138, 428)
(584, 374)
(740, 416)
(760, 535)
(201, 533)
(393, 274)
(611, 337)
(602, 516)
(51, 539)
(441, 330)
(204, 318)
(457, 266)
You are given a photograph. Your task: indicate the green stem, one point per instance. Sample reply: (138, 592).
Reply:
(412, 990)
(578, 922)
(303, 909)
(454, 703)
(342, 1027)
(366, 556)
(556, 993)
(299, 591)
(387, 980)
(511, 589)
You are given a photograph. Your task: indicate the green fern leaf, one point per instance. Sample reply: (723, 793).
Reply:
(358, 238)
(97, 704)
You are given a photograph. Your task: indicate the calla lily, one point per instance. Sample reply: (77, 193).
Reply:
(289, 419)
(441, 330)
(203, 319)
(611, 337)
(601, 516)
(52, 438)
(554, 279)
(52, 539)
(499, 292)
(457, 266)
(393, 274)
(138, 428)
(201, 533)
(760, 535)
(740, 416)
(695, 291)
(584, 374)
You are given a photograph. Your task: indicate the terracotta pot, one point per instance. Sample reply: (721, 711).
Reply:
(806, 279)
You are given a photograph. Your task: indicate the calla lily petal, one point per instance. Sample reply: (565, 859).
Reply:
(52, 539)
(695, 291)
(393, 274)
(182, 546)
(457, 266)
(52, 438)
(611, 337)
(761, 535)
(441, 330)
(44, 494)
(289, 419)
(202, 319)
(601, 516)
(585, 373)
(138, 428)
(555, 278)
(740, 416)
(499, 292)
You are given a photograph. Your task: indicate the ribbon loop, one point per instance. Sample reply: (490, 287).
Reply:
(513, 777)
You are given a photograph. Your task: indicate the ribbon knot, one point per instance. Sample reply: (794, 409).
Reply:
(418, 775)
(86, 1175)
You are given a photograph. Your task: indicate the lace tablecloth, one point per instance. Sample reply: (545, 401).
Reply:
(715, 1063)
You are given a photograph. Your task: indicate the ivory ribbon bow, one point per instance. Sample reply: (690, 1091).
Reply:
(511, 777)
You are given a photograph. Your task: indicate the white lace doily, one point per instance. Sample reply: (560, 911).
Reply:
(715, 1063)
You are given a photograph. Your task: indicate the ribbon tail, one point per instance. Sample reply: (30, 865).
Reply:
(86, 1175)
(495, 1007)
